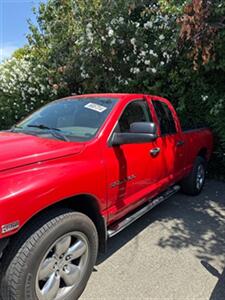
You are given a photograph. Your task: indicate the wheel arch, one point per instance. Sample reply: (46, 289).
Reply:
(83, 203)
(88, 205)
(203, 152)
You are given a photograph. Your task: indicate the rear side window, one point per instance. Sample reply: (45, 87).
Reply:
(136, 111)
(165, 117)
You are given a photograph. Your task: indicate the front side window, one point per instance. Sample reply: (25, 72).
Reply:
(165, 118)
(136, 111)
(78, 119)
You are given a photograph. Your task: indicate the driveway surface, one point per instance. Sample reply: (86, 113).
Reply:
(176, 251)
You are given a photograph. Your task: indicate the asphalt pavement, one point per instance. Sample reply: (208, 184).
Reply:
(176, 251)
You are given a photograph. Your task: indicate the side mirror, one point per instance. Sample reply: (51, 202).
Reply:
(140, 132)
(143, 127)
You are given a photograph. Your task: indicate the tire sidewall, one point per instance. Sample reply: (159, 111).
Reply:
(71, 222)
(199, 162)
(188, 184)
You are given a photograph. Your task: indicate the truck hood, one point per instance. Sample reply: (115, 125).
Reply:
(19, 149)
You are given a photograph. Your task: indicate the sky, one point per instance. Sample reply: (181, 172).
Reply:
(13, 24)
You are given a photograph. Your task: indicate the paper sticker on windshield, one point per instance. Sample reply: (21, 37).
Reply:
(95, 107)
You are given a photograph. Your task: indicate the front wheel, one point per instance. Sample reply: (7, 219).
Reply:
(54, 262)
(194, 183)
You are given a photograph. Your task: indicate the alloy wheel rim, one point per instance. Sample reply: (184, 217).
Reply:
(62, 267)
(200, 177)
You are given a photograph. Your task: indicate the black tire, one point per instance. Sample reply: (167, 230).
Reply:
(190, 185)
(20, 264)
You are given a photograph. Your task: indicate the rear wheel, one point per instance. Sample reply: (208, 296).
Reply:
(193, 184)
(54, 262)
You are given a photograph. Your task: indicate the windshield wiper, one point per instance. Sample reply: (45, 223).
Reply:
(56, 132)
(41, 126)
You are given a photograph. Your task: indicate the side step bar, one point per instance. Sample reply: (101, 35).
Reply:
(122, 224)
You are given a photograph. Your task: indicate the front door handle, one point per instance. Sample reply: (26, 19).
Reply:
(155, 151)
(180, 143)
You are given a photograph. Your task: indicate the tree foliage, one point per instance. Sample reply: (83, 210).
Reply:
(200, 29)
(105, 45)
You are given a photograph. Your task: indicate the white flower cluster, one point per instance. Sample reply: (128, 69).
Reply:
(218, 107)
(23, 82)
(84, 74)
(204, 98)
(135, 70)
(148, 25)
(89, 33)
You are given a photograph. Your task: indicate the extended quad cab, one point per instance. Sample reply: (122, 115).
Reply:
(77, 172)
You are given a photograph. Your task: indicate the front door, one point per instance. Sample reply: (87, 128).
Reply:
(132, 170)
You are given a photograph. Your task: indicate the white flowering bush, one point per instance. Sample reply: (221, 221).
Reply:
(128, 48)
(24, 86)
(106, 45)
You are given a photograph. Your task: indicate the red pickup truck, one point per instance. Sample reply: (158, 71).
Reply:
(77, 172)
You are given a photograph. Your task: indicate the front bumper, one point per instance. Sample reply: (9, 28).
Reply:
(3, 244)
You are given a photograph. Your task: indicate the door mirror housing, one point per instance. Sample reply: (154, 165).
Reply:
(140, 132)
(143, 127)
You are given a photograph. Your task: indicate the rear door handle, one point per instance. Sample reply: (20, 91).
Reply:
(155, 151)
(180, 143)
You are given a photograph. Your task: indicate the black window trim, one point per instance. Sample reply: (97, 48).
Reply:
(165, 134)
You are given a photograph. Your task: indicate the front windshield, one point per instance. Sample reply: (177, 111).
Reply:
(77, 119)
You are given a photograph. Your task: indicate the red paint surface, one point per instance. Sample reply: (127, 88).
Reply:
(36, 172)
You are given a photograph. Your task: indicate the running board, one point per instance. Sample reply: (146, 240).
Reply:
(122, 224)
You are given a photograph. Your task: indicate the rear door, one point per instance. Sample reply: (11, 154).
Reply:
(170, 141)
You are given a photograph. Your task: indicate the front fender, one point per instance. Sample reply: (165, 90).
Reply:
(28, 190)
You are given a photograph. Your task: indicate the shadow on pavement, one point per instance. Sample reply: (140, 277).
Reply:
(196, 222)
(219, 290)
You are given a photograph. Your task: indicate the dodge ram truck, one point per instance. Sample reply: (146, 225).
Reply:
(78, 171)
